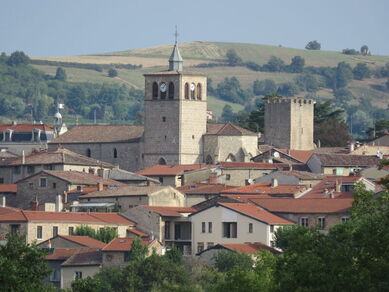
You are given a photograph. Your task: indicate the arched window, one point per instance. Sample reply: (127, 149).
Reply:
(209, 159)
(163, 90)
(155, 90)
(115, 153)
(171, 90)
(186, 90)
(88, 152)
(230, 158)
(193, 91)
(198, 91)
(162, 161)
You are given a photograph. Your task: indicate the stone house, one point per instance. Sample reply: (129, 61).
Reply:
(271, 154)
(170, 225)
(71, 241)
(49, 188)
(322, 213)
(340, 164)
(178, 175)
(126, 197)
(226, 223)
(116, 252)
(40, 226)
(59, 159)
(292, 177)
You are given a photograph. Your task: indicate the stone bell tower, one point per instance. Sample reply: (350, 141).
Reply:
(175, 115)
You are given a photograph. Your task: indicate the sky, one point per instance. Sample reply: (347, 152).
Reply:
(78, 27)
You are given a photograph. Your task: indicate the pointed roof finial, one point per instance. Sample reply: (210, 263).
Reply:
(175, 60)
(176, 35)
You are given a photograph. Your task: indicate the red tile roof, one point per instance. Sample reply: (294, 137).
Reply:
(8, 188)
(265, 188)
(307, 206)
(84, 240)
(170, 211)
(137, 232)
(245, 198)
(256, 213)
(124, 244)
(171, 170)
(249, 248)
(7, 214)
(25, 127)
(302, 155)
(327, 159)
(100, 134)
(61, 254)
(257, 165)
(85, 257)
(203, 188)
(227, 129)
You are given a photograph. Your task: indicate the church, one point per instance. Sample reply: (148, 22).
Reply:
(175, 127)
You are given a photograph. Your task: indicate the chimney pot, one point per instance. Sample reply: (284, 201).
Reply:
(100, 187)
(274, 182)
(3, 201)
(212, 178)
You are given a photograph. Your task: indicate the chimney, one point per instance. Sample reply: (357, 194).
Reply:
(290, 167)
(23, 158)
(318, 143)
(34, 205)
(49, 244)
(58, 203)
(352, 146)
(3, 201)
(212, 178)
(337, 186)
(331, 194)
(274, 182)
(100, 187)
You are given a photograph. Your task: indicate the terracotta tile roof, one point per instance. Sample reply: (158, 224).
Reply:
(124, 244)
(170, 211)
(266, 188)
(79, 178)
(244, 198)
(256, 165)
(25, 127)
(203, 188)
(329, 150)
(59, 156)
(8, 214)
(84, 257)
(84, 190)
(137, 232)
(61, 254)
(171, 170)
(84, 240)
(346, 159)
(303, 174)
(8, 188)
(256, 213)
(125, 191)
(249, 248)
(100, 134)
(227, 129)
(307, 206)
(301, 155)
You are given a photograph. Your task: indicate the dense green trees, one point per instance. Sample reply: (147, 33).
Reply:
(264, 87)
(105, 234)
(232, 58)
(361, 71)
(112, 73)
(60, 74)
(313, 45)
(297, 64)
(22, 266)
(230, 89)
(18, 58)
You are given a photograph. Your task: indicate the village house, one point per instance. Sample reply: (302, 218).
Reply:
(340, 164)
(58, 159)
(271, 154)
(48, 189)
(40, 226)
(292, 177)
(233, 223)
(170, 225)
(320, 213)
(126, 197)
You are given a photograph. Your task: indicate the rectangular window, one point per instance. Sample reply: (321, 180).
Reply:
(304, 221)
(55, 276)
(272, 228)
(30, 169)
(39, 231)
(230, 229)
(160, 179)
(167, 230)
(202, 227)
(228, 176)
(77, 275)
(54, 185)
(43, 182)
(48, 167)
(55, 231)
(250, 227)
(31, 186)
(209, 227)
(1, 180)
(344, 219)
(17, 170)
(71, 230)
(321, 221)
(339, 171)
(15, 228)
(200, 246)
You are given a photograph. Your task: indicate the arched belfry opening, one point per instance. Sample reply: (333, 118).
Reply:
(88, 152)
(198, 91)
(171, 90)
(231, 158)
(187, 90)
(162, 161)
(209, 159)
(155, 90)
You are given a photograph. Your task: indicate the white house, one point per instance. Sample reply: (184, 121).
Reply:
(225, 223)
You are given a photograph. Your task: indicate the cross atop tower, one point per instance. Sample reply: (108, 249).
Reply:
(176, 35)
(175, 60)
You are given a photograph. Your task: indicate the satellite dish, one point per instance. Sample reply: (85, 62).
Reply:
(276, 155)
(250, 181)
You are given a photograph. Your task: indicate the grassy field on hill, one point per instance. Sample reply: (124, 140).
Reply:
(194, 53)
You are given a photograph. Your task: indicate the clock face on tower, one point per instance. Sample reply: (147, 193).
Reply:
(162, 87)
(192, 87)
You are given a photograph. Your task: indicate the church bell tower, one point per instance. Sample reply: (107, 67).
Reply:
(175, 115)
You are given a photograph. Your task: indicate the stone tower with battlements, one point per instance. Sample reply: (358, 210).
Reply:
(289, 123)
(175, 115)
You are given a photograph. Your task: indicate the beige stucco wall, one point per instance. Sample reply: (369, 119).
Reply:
(238, 176)
(218, 215)
(68, 274)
